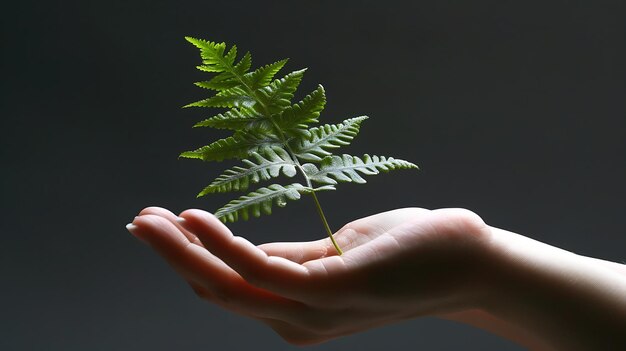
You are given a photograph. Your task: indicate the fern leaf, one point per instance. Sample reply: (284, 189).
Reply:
(346, 168)
(210, 68)
(233, 97)
(263, 165)
(212, 54)
(294, 119)
(259, 202)
(242, 118)
(240, 145)
(222, 81)
(328, 136)
(228, 80)
(262, 76)
(243, 65)
(230, 57)
(235, 119)
(272, 136)
(277, 96)
(218, 84)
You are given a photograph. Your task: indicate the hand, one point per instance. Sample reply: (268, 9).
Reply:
(396, 265)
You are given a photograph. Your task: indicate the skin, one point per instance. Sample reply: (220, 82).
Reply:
(399, 265)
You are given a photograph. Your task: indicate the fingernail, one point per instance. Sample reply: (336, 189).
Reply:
(131, 228)
(181, 220)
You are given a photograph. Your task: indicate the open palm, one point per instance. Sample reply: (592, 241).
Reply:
(396, 265)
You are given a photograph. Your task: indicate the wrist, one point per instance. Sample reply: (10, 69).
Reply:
(558, 299)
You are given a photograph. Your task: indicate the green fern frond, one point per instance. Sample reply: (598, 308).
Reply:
(213, 61)
(259, 202)
(346, 168)
(263, 165)
(277, 96)
(222, 81)
(212, 54)
(244, 64)
(294, 119)
(327, 137)
(272, 135)
(240, 145)
(218, 85)
(233, 97)
(263, 76)
(230, 57)
(235, 119)
(228, 80)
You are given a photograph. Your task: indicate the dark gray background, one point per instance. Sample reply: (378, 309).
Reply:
(513, 109)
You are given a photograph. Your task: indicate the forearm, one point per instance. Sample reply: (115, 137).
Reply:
(561, 300)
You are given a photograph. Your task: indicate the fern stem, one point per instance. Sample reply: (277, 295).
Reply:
(317, 202)
(330, 233)
(281, 135)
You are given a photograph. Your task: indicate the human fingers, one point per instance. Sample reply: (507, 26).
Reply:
(311, 282)
(276, 274)
(299, 252)
(162, 212)
(223, 285)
